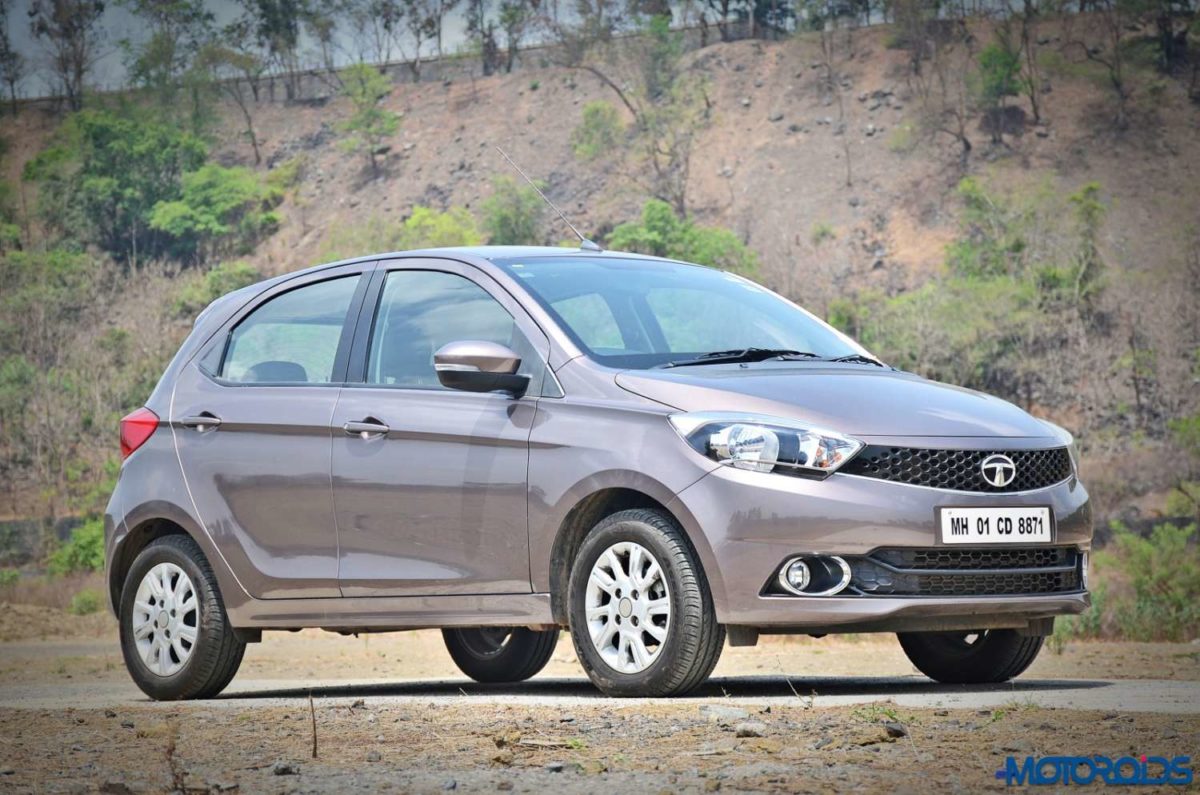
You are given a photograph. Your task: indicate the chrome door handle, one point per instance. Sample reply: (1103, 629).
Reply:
(201, 422)
(366, 428)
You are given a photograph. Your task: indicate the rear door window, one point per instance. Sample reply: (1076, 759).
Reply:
(292, 338)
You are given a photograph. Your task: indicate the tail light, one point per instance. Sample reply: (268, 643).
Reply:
(136, 428)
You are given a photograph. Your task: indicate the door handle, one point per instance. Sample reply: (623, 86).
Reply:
(201, 422)
(366, 428)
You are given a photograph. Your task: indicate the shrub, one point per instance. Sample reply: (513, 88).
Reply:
(86, 602)
(9, 577)
(221, 210)
(599, 133)
(83, 552)
(222, 279)
(423, 228)
(1146, 589)
(512, 215)
(662, 233)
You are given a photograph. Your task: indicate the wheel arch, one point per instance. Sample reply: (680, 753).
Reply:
(157, 519)
(587, 512)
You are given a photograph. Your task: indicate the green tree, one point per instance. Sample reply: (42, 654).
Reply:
(220, 211)
(370, 123)
(513, 214)
(104, 173)
(663, 233)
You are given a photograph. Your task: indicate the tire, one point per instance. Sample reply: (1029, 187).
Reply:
(211, 659)
(995, 655)
(500, 654)
(670, 662)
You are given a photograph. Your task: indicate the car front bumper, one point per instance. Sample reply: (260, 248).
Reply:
(753, 522)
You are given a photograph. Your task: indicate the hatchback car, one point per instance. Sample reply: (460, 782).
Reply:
(504, 442)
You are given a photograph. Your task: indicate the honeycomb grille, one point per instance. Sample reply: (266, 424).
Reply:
(959, 470)
(974, 572)
(1035, 557)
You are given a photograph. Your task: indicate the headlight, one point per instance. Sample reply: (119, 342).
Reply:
(765, 444)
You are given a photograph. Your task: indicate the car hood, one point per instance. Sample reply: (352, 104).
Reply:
(857, 400)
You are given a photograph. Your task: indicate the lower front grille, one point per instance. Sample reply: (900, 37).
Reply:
(967, 572)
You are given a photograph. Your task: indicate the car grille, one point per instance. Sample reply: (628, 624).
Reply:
(967, 572)
(958, 470)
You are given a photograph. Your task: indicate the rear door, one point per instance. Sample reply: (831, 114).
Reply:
(430, 484)
(251, 418)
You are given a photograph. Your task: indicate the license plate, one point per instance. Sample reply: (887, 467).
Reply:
(996, 525)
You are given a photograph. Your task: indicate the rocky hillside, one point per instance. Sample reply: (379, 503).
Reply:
(844, 189)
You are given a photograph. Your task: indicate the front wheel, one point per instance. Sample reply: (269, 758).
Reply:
(500, 654)
(980, 657)
(642, 619)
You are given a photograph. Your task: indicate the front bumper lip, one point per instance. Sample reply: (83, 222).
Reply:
(907, 613)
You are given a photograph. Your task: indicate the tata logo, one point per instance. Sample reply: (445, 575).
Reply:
(998, 470)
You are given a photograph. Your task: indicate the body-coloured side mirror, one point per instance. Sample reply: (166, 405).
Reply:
(478, 366)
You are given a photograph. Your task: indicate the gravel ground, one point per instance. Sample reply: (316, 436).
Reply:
(391, 713)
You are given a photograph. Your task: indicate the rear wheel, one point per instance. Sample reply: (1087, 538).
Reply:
(500, 654)
(642, 619)
(979, 657)
(175, 635)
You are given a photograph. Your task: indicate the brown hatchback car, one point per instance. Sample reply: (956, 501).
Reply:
(503, 442)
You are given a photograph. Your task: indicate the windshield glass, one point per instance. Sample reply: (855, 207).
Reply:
(637, 314)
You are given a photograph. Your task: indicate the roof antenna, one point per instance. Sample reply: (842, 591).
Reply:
(584, 243)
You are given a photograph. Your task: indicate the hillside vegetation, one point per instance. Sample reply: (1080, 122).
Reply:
(1007, 202)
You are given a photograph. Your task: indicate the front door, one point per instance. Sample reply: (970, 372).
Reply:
(251, 418)
(430, 484)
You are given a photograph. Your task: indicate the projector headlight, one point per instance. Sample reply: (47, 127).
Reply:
(766, 444)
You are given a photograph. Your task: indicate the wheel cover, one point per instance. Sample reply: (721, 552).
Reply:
(165, 619)
(628, 607)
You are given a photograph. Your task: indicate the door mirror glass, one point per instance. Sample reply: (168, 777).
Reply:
(480, 366)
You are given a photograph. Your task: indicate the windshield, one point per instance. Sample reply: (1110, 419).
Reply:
(637, 314)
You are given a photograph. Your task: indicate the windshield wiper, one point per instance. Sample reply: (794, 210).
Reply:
(741, 355)
(857, 358)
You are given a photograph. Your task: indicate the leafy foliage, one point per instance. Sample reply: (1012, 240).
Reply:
(370, 123)
(599, 132)
(1014, 274)
(220, 280)
(83, 552)
(86, 602)
(513, 214)
(220, 211)
(664, 234)
(104, 173)
(424, 228)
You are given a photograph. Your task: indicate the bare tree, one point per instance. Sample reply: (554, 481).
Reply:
(71, 33)
(1115, 18)
(12, 63)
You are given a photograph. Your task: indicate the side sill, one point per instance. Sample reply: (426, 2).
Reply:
(395, 612)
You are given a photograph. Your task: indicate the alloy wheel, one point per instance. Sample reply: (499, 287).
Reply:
(628, 607)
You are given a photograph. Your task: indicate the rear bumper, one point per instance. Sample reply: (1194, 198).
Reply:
(752, 522)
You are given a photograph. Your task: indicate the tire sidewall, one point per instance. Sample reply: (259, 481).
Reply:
(177, 684)
(611, 681)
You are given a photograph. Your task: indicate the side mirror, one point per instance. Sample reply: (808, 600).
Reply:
(477, 366)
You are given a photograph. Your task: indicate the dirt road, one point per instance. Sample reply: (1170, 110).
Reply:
(392, 713)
